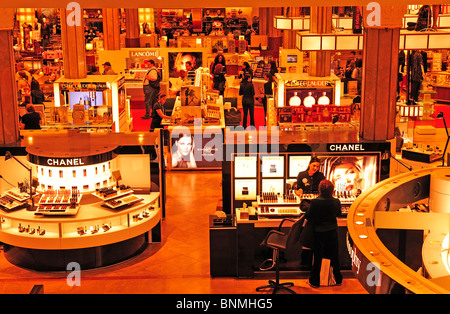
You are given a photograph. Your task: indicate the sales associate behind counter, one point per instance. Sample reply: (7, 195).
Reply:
(309, 179)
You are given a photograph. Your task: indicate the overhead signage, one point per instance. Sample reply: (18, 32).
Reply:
(70, 161)
(144, 54)
(83, 85)
(309, 83)
(346, 147)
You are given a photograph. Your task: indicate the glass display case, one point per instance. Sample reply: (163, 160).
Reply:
(259, 180)
(97, 101)
(351, 166)
(300, 98)
(104, 190)
(441, 83)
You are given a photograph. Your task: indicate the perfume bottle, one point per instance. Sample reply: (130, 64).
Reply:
(295, 101)
(323, 100)
(309, 100)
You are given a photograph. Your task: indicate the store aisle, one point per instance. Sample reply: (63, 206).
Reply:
(179, 265)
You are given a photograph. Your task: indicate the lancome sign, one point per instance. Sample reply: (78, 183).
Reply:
(144, 54)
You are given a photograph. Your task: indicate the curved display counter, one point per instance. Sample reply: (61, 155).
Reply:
(35, 241)
(98, 200)
(401, 204)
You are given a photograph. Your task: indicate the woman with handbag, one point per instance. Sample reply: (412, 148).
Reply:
(308, 183)
(323, 213)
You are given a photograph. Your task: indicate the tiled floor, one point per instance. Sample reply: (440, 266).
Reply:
(179, 265)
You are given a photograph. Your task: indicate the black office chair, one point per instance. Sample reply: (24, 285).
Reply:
(277, 240)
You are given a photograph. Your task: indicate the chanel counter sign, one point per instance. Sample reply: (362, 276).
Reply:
(346, 147)
(71, 161)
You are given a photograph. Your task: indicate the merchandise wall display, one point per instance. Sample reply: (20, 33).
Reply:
(413, 202)
(90, 193)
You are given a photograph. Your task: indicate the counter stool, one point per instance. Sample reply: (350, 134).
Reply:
(277, 240)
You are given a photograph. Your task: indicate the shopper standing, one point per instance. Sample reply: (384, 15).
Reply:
(37, 95)
(246, 71)
(219, 79)
(219, 59)
(158, 113)
(151, 88)
(323, 213)
(247, 91)
(417, 73)
(267, 90)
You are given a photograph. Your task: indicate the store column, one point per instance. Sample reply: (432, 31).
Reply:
(321, 23)
(73, 46)
(133, 31)
(289, 36)
(380, 72)
(111, 29)
(274, 35)
(9, 115)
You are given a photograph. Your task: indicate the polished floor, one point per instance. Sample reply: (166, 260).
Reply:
(179, 265)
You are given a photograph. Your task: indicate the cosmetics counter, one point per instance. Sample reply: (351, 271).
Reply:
(398, 230)
(301, 100)
(96, 199)
(133, 64)
(258, 191)
(96, 102)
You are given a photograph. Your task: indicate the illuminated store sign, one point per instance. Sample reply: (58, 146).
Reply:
(83, 85)
(65, 162)
(70, 161)
(308, 83)
(145, 53)
(346, 147)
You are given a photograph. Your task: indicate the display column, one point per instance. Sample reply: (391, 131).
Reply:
(274, 36)
(133, 31)
(111, 29)
(9, 114)
(380, 74)
(73, 46)
(321, 23)
(290, 36)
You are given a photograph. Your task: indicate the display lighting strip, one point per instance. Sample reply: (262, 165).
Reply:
(306, 41)
(378, 208)
(346, 23)
(410, 111)
(291, 23)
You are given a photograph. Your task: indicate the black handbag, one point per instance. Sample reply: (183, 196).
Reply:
(232, 117)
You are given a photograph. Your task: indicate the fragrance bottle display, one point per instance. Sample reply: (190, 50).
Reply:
(309, 100)
(295, 101)
(323, 100)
